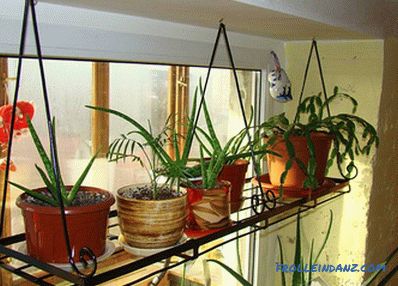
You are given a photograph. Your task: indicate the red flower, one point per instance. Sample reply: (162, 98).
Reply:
(23, 110)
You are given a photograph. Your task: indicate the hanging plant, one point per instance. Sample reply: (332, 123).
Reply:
(348, 135)
(304, 144)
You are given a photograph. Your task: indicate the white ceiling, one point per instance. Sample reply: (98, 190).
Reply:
(244, 16)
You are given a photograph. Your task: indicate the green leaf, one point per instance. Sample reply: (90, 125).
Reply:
(61, 182)
(190, 130)
(310, 263)
(35, 195)
(283, 276)
(238, 277)
(203, 168)
(51, 188)
(76, 186)
(216, 143)
(326, 238)
(40, 149)
(152, 142)
(297, 253)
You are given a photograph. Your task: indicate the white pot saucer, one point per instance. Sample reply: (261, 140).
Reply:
(143, 252)
(109, 250)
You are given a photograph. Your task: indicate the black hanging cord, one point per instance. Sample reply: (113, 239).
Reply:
(270, 197)
(321, 75)
(265, 199)
(304, 80)
(84, 252)
(314, 45)
(54, 158)
(13, 114)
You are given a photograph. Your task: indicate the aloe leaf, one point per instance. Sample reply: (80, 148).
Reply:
(203, 168)
(310, 261)
(238, 277)
(51, 188)
(76, 186)
(40, 149)
(302, 282)
(297, 254)
(208, 139)
(190, 130)
(326, 238)
(283, 275)
(35, 195)
(210, 127)
(61, 182)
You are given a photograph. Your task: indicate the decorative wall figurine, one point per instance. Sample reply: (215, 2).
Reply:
(279, 82)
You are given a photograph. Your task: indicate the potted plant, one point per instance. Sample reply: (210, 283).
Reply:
(86, 211)
(235, 163)
(208, 199)
(304, 148)
(152, 215)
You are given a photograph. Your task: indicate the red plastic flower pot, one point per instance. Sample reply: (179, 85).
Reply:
(235, 174)
(87, 227)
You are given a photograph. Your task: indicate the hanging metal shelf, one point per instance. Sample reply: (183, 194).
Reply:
(249, 222)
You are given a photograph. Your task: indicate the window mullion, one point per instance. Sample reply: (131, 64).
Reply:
(100, 120)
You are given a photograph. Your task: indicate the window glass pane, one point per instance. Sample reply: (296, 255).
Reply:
(222, 99)
(140, 91)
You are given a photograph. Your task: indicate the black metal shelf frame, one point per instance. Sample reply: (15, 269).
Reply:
(262, 207)
(189, 250)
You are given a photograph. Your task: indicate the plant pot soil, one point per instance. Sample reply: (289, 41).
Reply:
(209, 208)
(148, 223)
(235, 174)
(87, 227)
(296, 177)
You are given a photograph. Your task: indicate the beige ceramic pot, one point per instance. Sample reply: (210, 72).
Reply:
(151, 223)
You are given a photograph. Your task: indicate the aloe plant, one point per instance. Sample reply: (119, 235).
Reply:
(218, 155)
(302, 278)
(48, 175)
(352, 135)
(149, 150)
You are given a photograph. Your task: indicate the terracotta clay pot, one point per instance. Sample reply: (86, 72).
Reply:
(151, 223)
(87, 227)
(296, 177)
(236, 175)
(209, 208)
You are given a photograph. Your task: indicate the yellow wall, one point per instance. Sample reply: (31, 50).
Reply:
(357, 68)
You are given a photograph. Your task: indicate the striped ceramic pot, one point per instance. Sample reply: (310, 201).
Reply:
(209, 208)
(151, 223)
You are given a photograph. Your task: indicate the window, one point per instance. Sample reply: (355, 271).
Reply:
(144, 92)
